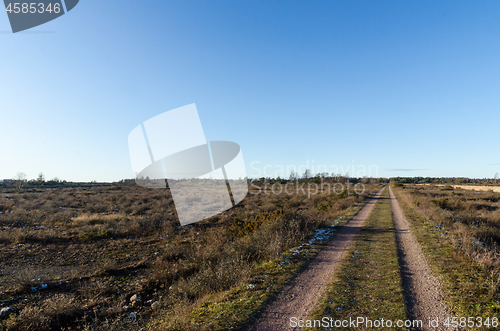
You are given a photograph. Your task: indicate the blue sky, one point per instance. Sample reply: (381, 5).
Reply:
(411, 87)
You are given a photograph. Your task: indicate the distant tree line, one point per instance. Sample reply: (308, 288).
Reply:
(323, 177)
(20, 181)
(446, 180)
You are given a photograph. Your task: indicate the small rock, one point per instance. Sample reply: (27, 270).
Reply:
(149, 302)
(155, 305)
(136, 298)
(133, 315)
(6, 311)
(126, 307)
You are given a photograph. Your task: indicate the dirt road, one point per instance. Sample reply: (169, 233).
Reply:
(298, 298)
(422, 290)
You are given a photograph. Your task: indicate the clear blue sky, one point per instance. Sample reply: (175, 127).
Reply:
(412, 87)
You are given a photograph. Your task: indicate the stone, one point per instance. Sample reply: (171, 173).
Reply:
(6, 311)
(136, 298)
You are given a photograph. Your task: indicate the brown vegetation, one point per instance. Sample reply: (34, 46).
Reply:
(71, 258)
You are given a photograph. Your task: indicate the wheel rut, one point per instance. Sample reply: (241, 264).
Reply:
(299, 297)
(422, 290)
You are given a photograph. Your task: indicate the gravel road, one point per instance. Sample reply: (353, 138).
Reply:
(422, 290)
(299, 297)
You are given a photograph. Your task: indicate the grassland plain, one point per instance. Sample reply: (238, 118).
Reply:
(72, 258)
(458, 231)
(485, 188)
(368, 283)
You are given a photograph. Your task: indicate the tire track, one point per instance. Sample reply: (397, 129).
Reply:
(422, 290)
(298, 298)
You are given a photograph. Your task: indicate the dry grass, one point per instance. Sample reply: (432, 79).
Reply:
(71, 258)
(483, 188)
(459, 230)
(472, 216)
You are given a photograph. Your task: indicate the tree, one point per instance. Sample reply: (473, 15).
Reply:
(496, 178)
(41, 178)
(307, 174)
(20, 180)
(293, 175)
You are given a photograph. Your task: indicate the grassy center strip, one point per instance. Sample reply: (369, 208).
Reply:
(368, 284)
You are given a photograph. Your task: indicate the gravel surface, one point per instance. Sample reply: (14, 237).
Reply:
(422, 290)
(299, 297)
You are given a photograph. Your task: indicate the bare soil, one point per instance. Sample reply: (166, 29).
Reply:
(299, 297)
